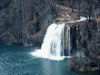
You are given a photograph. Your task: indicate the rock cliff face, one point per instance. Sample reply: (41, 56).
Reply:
(24, 21)
(85, 37)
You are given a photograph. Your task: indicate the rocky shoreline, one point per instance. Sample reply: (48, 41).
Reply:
(87, 38)
(83, 65)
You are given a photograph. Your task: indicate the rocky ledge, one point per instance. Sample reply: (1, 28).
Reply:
(88, 36)
(83, 65)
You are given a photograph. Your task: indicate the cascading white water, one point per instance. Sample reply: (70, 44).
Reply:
(79, 52)
(77, 40)
(63, 41)
(68, 41)
(53, 43)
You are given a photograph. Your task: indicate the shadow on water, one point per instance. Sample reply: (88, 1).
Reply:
(17, 60)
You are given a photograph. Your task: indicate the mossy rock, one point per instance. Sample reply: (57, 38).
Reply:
(94, 69)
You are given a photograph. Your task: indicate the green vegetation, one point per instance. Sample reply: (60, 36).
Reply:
(15, 4)
(79, 57)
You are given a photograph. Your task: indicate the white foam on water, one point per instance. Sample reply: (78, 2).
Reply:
(52, 47)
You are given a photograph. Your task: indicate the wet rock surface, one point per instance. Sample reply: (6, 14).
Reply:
(84, 65)
(88, 37)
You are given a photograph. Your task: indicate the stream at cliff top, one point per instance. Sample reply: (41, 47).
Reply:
(17, 60)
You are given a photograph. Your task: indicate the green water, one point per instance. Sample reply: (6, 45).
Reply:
(17, 60)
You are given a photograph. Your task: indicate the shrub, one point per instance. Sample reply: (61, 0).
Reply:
(79, 57)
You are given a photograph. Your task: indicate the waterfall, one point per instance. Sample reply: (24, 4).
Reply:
(63, 36)
(77, 38)
(68, 41)
(53, 43)
(79, 52)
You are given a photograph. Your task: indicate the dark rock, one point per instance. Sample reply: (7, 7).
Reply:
(20, 18)
(89, 44)
(85, 65)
